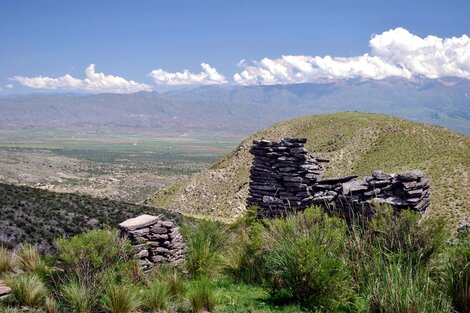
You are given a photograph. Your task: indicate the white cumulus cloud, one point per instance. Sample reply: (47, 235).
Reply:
(93, 82)
(208, 76)
(396, 52)
(9, 86)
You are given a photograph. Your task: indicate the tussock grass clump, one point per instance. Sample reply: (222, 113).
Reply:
(121, 299)
(202, 295)
(28, 258)
(157, 297)
(77, 297)
(175, 284)
(398, 288)
(204, 242)
(5, 261)
(27, 290)
(51, 306)
(457, 274)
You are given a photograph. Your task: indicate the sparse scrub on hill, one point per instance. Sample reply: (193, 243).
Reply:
(39, 217)
(356, 143)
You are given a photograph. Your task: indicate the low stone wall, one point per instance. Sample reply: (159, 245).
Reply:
(285, 178)
(156, 240)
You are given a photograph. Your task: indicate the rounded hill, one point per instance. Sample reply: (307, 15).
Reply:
(356, 143)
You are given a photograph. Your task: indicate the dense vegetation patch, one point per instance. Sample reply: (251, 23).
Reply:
(310, 262)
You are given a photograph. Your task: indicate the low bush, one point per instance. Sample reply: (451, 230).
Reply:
(404, 235)
(90, 256)
(303, 260)
(243, 255)
(27, 290)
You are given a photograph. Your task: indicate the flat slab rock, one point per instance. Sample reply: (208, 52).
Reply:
(140, 221)
(4, 290)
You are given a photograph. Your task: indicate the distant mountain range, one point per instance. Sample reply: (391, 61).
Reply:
(242, 109)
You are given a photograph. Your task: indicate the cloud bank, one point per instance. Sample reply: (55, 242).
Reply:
(94, 82)
(394, 53)
(208, 76)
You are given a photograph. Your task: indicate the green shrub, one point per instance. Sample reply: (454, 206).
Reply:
(157, 297)
(204, 242)
(302, 260)
(391, 259)
(28, 258)
(202, 295)
(242, 258)
(5, 261)
(90, 254)
(27, 290)
(405, 236)
(77, 297)
(121, 299)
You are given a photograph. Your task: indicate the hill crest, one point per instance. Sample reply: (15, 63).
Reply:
(355, 143)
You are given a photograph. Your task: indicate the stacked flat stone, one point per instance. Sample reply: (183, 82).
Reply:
(408, 190)
(285, 179)
(156, 240)
(281, 175)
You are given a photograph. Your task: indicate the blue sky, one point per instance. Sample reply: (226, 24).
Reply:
(130, 39)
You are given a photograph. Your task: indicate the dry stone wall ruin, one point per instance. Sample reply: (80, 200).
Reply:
(156, 240)
(285, 178)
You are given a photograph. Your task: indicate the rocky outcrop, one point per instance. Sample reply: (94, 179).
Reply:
(156, 240)
(285, 178)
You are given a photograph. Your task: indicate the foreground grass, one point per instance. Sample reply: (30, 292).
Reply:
(310, 262)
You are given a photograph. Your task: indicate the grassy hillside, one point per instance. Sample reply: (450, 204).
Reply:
(39, 216)
(355, 143)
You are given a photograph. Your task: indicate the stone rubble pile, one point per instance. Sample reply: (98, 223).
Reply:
(281, 175)
(284, 179)
(156, 240)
